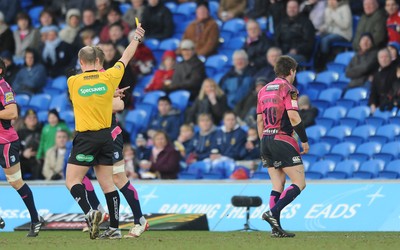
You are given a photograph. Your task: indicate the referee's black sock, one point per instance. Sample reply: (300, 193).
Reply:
(112, 199)
(26, 194)
(79, 193)
(287, 196)
(132, 198)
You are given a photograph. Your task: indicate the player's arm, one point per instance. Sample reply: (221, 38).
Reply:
(131, 48)
(10, 112)
(117, 104)
(298, 126)
(260, 125)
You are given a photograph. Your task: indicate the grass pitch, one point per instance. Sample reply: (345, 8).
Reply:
(203, 240)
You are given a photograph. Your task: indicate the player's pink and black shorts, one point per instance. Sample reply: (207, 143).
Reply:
(9, 154)
(92, 148)
(280, 151)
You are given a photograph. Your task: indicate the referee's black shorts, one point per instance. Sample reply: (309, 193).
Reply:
(280, 151)
(92, 148)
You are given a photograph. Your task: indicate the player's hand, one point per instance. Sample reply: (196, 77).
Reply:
(139, 32)
(305, 147)
(120, 92)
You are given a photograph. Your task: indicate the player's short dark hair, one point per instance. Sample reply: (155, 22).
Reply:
(100, 55)
(284, 65)
(164, 99)
(3, 67)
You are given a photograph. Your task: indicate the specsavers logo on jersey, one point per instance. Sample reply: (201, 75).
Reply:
(97, 89)
(82, 157)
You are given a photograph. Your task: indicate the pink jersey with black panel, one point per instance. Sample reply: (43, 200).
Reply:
(7, 96)
(274, 99)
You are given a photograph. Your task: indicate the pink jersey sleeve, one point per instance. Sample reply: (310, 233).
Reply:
(290, 95)
(6, 94)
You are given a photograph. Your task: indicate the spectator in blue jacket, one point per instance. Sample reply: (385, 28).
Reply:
(168, 119)
(32, 77)
(251, 150)
(230, 138)
(238, 82)
(203, 141)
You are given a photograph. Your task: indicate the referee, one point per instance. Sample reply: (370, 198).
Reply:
(92, 94)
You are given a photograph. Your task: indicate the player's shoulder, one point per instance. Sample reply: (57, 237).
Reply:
(4, 87)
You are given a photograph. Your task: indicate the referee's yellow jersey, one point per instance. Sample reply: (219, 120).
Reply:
(91, 94)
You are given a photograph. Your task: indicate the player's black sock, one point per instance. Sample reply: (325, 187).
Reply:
(80, 196)
(287, 196)
(112, 199)
(132, 198)
(273, 199)
(92, 197)
(26, 194)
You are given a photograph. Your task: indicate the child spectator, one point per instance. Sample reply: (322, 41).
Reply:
(186, 133)
(163, 76)
(54, 160)
(307, 112)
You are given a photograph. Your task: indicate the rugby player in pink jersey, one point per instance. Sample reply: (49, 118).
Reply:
(277, 119)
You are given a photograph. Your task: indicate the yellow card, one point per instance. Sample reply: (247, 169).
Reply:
(137, 21)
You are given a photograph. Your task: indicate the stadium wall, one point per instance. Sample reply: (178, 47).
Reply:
(323, 206)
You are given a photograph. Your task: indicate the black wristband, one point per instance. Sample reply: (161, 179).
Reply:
(301, 132)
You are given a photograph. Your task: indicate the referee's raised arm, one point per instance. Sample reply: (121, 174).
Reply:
(131, 48)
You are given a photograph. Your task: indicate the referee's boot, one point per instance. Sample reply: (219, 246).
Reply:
(277, 231)
(35, 228)
(2, 223)
(93, 218)
(111, 233)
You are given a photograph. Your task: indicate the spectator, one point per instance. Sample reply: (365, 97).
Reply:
(267, 71)
(363, 63)
(314, 10)
(396, 88)
(47, 18)
(307, 112)
(54, 161)
(256, 9)
(394, 52)
(89, 22)
(102, 8)
(257, 44)
(143, 62)
(56, 54)
(211, 100)
(186, 133)
(229, 9)
(230, 138)
(9, 9)
(203, 141)
(114, 15)
(11, 68)
(276, 10)
(32, 77)
(382, 84)
(190, 73)
(393, 21)
(163, 76)
(246, 108)
(157, 20)
(47, 138)
(237, 82)
(30, 139)
(164, 160)
(6, 36)
(337, 26)
(117, 37)
(251, 150)
(88, 38)
(142, 151)
(71, 29)
(25, 36)
(61, 7)
(372, 21)
(167, 120)
(136, 11)
(295, 34)
(203, 31)
(131, 162)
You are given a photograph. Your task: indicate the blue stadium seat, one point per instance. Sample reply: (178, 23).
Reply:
(229, 46)
(356, 116)
(39, 102)
(391, 171)
(389, 152)
(331, 116)
(169, 44)
(213, 6)
(134, 123)
(315, 132)
(234, 27)
(361, 134)
(319, 169)
(22, 100)
(58, 86)
(386, 133)
(365, 151)
(69, 118)
(261, 173)
(380, 117)
(308, 160)
(152, 97)
(180, 99)
(327, 98)
(215, 64)
(150, 110)
(2, 175)
(60, 102)
(180, 29)
(336, 134)
(194, 171)
(263, 22)
(312, 94)
(340, 151)
(369, 169)
(220, 170)
(353, 97)
(344, 170)
(188, 9)
(341, 61)
(324, 79)
(217, 77)
(171, 6)
(348, 45)
(319, 149)
(124, 7)
(34, 14)
(42, 116)
(311, 61)
(144, 81)
(303, 78)
(152, 43)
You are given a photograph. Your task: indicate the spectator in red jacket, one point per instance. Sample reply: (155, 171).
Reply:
(165, 73)
(393, 20)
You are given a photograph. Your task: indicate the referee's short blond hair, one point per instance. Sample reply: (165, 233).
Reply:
(87, 54)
